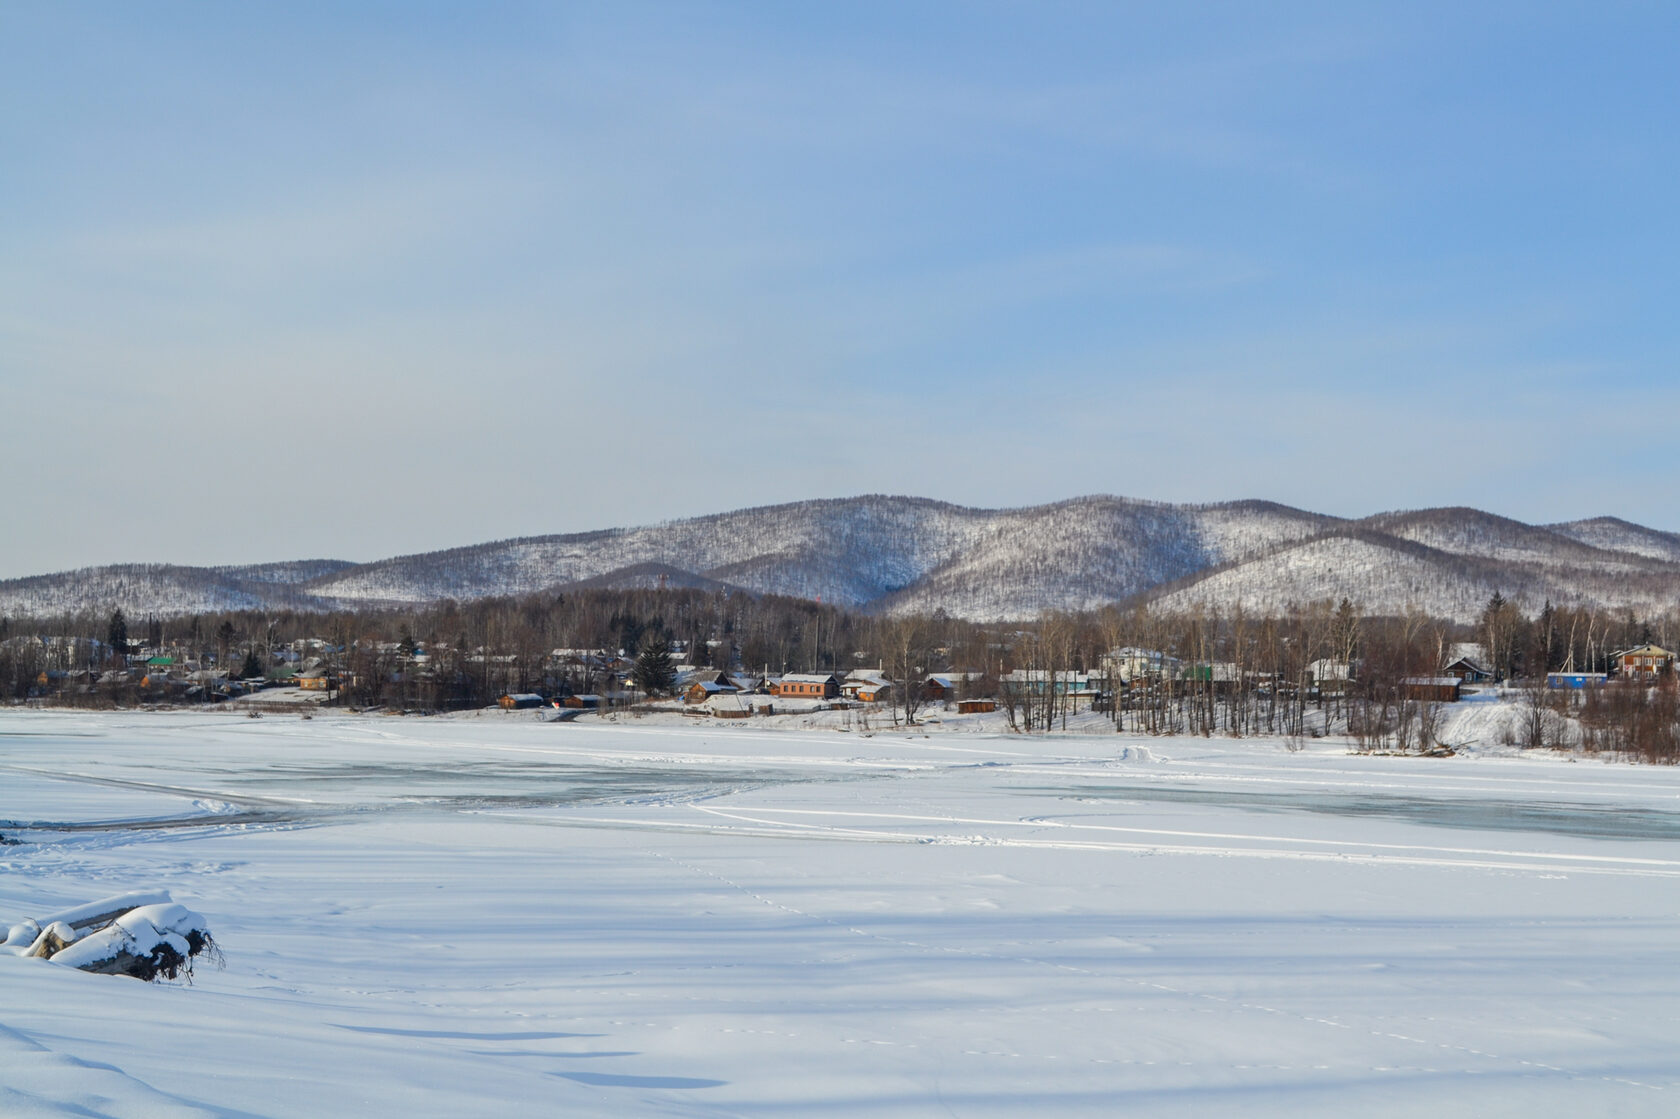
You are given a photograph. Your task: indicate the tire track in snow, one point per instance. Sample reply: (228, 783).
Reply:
(1494, 860)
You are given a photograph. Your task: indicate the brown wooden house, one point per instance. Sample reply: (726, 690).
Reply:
(808, 685)
(702, 690)
(1642, 663)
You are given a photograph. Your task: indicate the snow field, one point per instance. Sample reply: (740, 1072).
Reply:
(484, 917)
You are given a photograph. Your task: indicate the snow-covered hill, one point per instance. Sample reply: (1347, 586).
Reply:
(1470, 532)
(905, 554)
(1621, 536)
(1385, 574)
(164, 589)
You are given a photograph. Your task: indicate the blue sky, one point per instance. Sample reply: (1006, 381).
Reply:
(356, 280)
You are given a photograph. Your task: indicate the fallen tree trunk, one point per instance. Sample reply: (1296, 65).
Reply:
(145, 935)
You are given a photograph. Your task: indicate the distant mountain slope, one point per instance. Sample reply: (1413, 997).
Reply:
(906, 554)
(647, 577)
(1115, 549)
(1618, 535)
(1470, 532)
(1383, 574)
(162, 589)
(1387, 574)
(903, 554)
(848, 551)
(287, 572)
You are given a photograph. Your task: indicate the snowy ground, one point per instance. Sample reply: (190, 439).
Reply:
(501, 916)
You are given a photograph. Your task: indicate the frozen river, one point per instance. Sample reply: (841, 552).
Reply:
(495, 915)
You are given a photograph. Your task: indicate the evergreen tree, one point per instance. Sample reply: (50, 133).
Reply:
(654, 671)
(1497, 629)
(116, 635)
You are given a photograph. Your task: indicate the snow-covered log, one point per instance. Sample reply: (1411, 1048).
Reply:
(145, 935)
(98, 914)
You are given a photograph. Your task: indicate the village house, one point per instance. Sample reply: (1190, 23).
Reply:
(1221, 676)
(316, 677)
(808, 685)
(700, 690)
(1078, 685)
(1329, 676)
(1468, 670)
(942, 687)
(865, 686)
(749, 682)
(1645, 662)
(687, 674)
(939, 689)
(1129, 663)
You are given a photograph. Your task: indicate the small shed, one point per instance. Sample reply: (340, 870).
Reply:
(730, 705)
(587, 702)
(975, 706)
(521, 701)
(1431, 689)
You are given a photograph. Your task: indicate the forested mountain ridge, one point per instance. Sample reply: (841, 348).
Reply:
(906, 554)
(1618, 535)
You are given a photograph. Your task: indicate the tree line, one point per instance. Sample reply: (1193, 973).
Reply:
(1323, 668)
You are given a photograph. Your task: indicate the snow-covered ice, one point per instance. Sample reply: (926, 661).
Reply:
(505, 916)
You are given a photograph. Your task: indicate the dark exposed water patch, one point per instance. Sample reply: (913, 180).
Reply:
(1588, 821)
(329, 793)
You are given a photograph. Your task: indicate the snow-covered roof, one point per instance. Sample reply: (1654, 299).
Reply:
(1646, 651)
